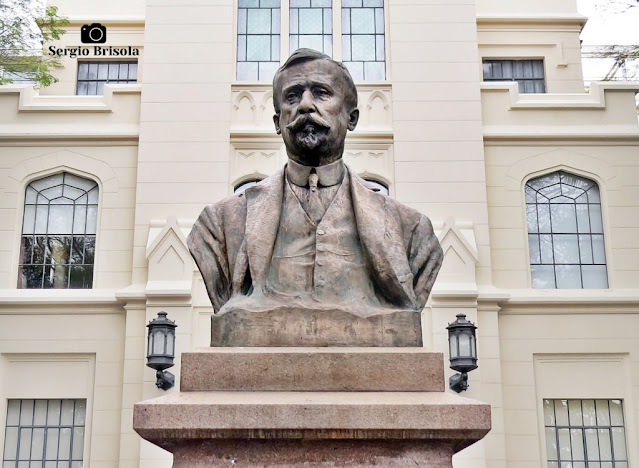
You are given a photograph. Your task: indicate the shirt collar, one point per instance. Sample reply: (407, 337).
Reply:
(330, 174)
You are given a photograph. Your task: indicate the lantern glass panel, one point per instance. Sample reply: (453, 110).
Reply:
(170, 342)
(473, 346)
(149, 345)
(464, 344)
(454, 352)
(158, 342)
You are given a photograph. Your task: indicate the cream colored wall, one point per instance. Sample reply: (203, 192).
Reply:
(97, 139)
(557, 44)
(66, 345)
(561, 350)
(526, 139)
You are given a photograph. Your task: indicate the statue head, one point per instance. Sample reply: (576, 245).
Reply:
(315, 102)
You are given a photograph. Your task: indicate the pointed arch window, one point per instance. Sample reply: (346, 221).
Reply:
(58, 233)
(565, 232)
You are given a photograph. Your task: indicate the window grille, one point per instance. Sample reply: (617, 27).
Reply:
(258, 39)
(58, 233)
(92, 76)
(363, 47)
(585, 434)
(44, 434)
(565, 232)
(529, 74)
(361, 31)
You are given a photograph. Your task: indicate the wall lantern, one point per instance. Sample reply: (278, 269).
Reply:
(161, 349)
(463, 351)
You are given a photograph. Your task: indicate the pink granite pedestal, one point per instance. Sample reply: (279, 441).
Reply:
(312, 407)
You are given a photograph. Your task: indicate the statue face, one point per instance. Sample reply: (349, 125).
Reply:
(314, 117)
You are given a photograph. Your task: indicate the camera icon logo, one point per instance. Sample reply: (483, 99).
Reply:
(93, 33)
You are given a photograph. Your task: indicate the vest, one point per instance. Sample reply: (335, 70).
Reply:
(319, 263)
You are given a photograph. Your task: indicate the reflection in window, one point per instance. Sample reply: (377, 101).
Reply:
(239, 188)
(311, 25)
(585, 433)
(92, 76)
(565, 232)
(58, 233)
(363, 39)
(258, 39)
(529, 74)
(44, 433)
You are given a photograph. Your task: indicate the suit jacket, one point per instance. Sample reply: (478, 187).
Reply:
(232, 243)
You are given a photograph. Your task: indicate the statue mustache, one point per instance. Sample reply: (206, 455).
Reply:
(304, 119)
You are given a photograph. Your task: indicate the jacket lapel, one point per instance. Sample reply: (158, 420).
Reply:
(263, 210)
(380, 230)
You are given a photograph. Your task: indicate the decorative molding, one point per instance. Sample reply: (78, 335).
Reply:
(532, 19)
(595, 98)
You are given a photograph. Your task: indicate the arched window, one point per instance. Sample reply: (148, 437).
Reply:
(377, 186)
(58, 233)
(565, 232)
(239, 188)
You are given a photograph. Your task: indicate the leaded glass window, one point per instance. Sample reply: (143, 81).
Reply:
(529, 74)
(585, 434)
(311, 25)
(258, 39)
(58, 233)
(565, 232)
(363, 47)
(44, 434)
(92, 76)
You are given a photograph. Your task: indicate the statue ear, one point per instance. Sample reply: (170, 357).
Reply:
(276, 121)
(353, 118)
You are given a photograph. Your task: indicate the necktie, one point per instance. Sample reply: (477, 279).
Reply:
(315, 206)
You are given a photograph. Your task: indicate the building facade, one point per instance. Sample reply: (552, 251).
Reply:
(474, 113)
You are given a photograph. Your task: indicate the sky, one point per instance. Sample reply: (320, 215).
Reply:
(610, 22)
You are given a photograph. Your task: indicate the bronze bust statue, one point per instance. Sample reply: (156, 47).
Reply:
(312, 256)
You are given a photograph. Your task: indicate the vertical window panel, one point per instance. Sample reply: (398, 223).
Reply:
(59, 223)
(258, 39)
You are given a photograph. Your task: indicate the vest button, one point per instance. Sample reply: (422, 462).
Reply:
(321, 248)
(320, 263)
(321, 232)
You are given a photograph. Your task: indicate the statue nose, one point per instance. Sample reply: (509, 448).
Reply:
(306, 104)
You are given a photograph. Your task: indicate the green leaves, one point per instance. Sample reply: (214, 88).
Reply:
(23, 37)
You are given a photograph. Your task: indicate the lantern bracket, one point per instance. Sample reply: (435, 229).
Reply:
(458, 382)
(165, 380)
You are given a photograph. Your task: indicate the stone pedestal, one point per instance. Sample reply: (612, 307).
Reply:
(312, 407)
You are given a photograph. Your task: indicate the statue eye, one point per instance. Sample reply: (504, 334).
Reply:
(321, 93)
(292, 96)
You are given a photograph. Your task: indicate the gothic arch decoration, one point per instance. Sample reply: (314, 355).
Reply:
(62, 161)
(244, 107)
(377, 109)
(558, 159)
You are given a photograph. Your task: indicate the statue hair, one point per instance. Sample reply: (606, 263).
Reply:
(309, 55)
